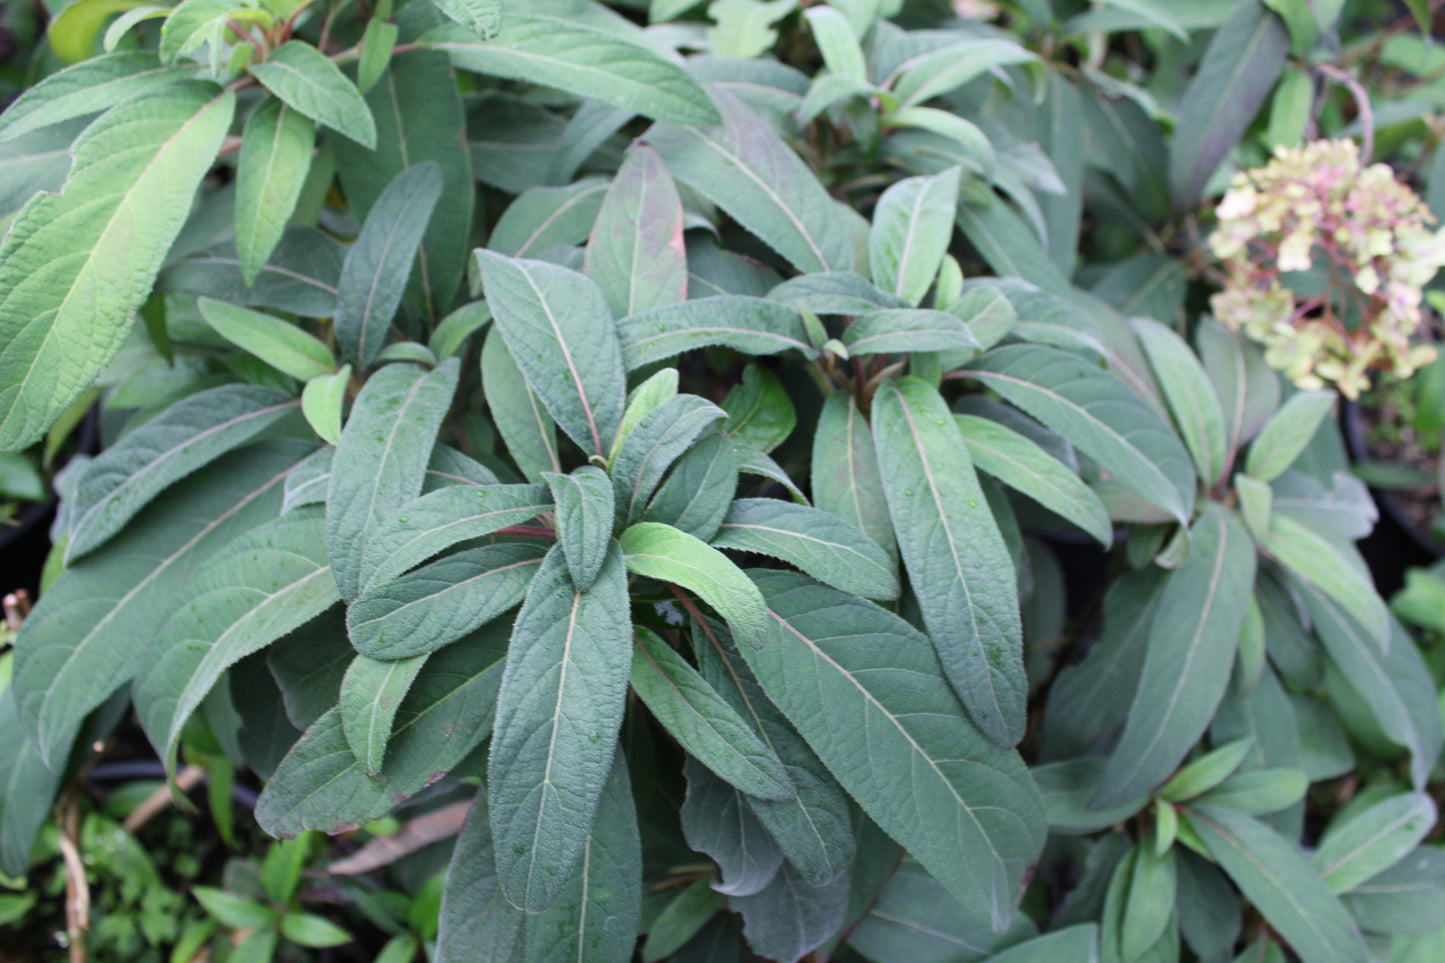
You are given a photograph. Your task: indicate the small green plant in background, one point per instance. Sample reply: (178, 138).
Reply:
(653, 442)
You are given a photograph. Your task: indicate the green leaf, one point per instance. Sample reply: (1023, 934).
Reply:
(1237, 73)
(846, 479)
(441, 601)
(1193, 637)
(1152, 887)
(642, 401)
(1406, 898)
(560, 332)
(477, 922)
(299, 278)
(748, 171)
(29, 787)
(419, 117)
(716, 820)
(195, 24)
(1022, 465)
(308, 929)
(545, 217)
(87, 88)
(321, 402)
(481, 17)
(1356, 848)
(698, 490)
(1282, 886)
(834, 292)
(953, 65)
(378, 265)
(307, 80)
(281, 869)
(746, 324)
(1247, 388)
(260, 587)
(275, 158)
(1099, 415)
(912, 226)
(822, 545)
(1286, 434)
(837, 42)
(1206, 772)
(281, 345)
(659, 439)
(957, 562)
(74, 266)
(558, 714)
(585, 512)
(527, 429)
(1317, 561)
(654, 550)
(186, 436)
(233, 910)
(1074, 943)
(377, 43)
(371, 692)
(572, 56)
(681, 919)
(1191, 398)
(760, 412)
(440, 519)
(864, 688)
(1068, 786)
(87, 635)
(445, 716)
(379, 464)
(902, 330)
(702, 723)
(792, 917)
(451, 335)
(1259, 792)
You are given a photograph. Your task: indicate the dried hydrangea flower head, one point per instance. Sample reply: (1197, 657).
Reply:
(1312, 207)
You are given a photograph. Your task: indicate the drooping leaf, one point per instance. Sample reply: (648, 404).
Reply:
(957, 562)
(846, 479)
(1356, 848)
(585, 513)
(717, 820)
(791, 917)
(746, 324)
(441, 601)
(822, 545)
(953, 65)
(662, 552)
(573, 56)
(684, 917)
(74, 266)
(281, 345)
(371, 693)
(850, 675)
(1280, 883)
(1193, 638)
(29, 787)
(1099, 415)
(275, 158)
(912, 226)
(560, 333)
(378, 265)
(660, 438)
(558, 714)
(1191, 398)
(517, 412)
(186, 436)
(705, 725)
(88, 87)
(379, 464)
(300, 277)
(307, 80)
(748, 171)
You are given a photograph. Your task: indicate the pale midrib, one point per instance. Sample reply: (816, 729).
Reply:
(566, 206)
(1383, 832)
(839, 546)
(567, 356)
(907, 251)
(566, 665)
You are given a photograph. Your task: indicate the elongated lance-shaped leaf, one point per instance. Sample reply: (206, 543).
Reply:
(912, 226)
(865, 689)
(1192, 401)
(558, 328)
(558, 714)
(698, 718)
(815, 827)
(307, 80)
(280, 344)
(1278, 881)
(1373, 839)
(1099, 415)
(184, 437)
(89, 87)
(445, 716)
(275, 158)
(27, 791)
(846, 480)
(635, 253)
(659, 439)
(662, 552)
(477, 922)
(957, 562)
(905, 330)
(371, 692)
(791, 917)
(717, 820)
(585, 512)
(517, 412)
(698, 490)
(441, 601)
(440, 519)
(746, 324)
(546, 217)
(822, 545)
(563, 53)
(74, 266)
(88, 633)
(1287, 433)
(418, 112)
(378, 265)
(379, 466)
(1022, 465)
(261, 586)
(1315, 560)
(1193, 638)
(300, 276)
(481, 17)
(834, 292)
(746, 169)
